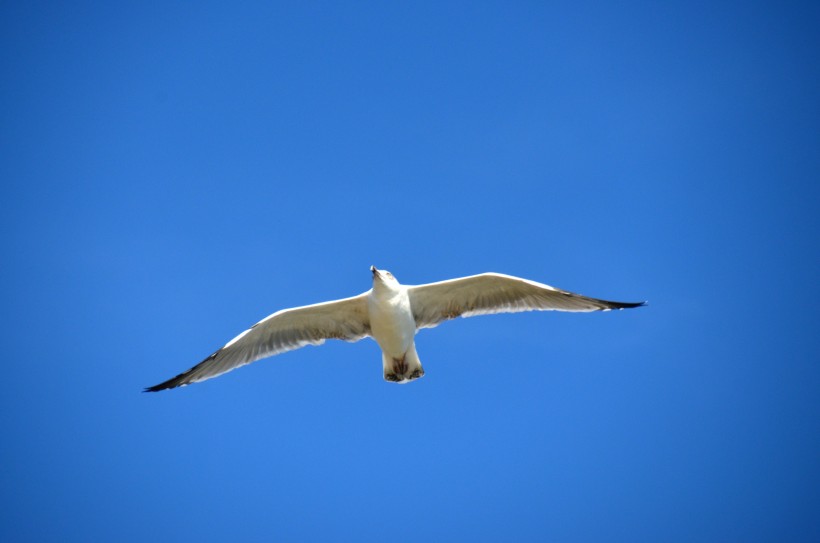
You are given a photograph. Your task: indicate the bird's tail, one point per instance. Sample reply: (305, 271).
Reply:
(404, 369)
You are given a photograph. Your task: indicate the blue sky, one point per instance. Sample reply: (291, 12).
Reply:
(174, 172)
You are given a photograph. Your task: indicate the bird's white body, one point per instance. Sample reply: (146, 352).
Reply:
(391, 320)
(393, 327)
(391, 314)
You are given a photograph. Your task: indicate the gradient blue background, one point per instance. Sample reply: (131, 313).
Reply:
(173, 172)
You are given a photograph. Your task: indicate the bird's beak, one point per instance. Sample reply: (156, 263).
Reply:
(374, 270)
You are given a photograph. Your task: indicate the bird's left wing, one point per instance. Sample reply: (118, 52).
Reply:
(283, 331)
(486, 293)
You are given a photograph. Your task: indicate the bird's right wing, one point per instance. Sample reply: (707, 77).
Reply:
(283, 331)
(487, 293)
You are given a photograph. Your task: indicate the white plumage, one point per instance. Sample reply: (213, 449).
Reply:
(391, 314)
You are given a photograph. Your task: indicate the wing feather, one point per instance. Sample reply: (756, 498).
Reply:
(283, 331)
(488, 293)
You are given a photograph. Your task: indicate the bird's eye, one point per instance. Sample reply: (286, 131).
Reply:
(390, 275)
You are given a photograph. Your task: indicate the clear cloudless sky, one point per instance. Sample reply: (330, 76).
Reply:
(173, 172)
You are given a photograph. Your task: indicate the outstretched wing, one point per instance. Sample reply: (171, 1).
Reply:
(283, 331)
(495, 293)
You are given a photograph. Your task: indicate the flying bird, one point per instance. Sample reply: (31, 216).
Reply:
(390, 313)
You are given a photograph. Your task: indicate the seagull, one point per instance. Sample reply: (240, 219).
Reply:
(390, 313)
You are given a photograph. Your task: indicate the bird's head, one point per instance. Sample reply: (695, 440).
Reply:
(383, 277)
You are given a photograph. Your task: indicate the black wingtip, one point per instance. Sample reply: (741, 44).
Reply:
(183, 378)
(174, 382)
(636, 304)
(626, 305)
(162, 386)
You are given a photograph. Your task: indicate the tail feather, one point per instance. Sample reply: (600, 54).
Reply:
(404, 369)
